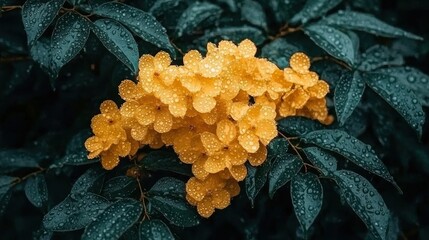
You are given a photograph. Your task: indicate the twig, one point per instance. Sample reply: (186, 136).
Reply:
(21, 179)
(14, 59)
(10, 8)
(295, 149)
(142, 198)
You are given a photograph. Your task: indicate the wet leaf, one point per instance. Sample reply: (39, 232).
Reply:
(198, 13)
(114, 221)
(351, 148)
(413, 79)
(68, 38)
(378, 56)
(37, 15)
(321, 159)
(76, 153)
(13, 159)
(167, 197)
(365, 201)
(314, 9)
(296, 126)
(333, 41)
(119, 41)
(235, 34)
(253, 12)
(367, 23)
(75, 213)
(284, 167)
(307, 198)
(36, 190)
(160, 7)
(119, 187)
(279, 51)
(163, 160)
(90, 181)
(141, 23)
(154, 230)
(40, 52)
(5, 191)
(348, 93)
(256, 179)
(400, 97)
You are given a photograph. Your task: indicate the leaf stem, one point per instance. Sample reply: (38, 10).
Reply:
(21, 179)
(295, 149)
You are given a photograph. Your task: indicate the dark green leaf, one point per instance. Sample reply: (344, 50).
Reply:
(114, 221)
(235, 34)
(165, 161)
(154, 230)
(279, 51)
(119, 41)
(68, 38)
(256, 179)
(321, 159)
(366, 23)
(167, 197)
(283, 169)
(75, 213)
(42, 234)
(90, 181)
(253, 12)
(314, 9)
(37, 15)
(400, 97)
(348, 93)
(296, 126)
(413, 79)
(41, 52)
(348, 146)
(333, 41)
(379, 56)
(132, 233)
(141, 23)
(277, 147)
(364, 199)
(195, 15)
(284, 10)
(119, 187)
(76, 153)
(307, 198)
(162, 6)
(36, 190)
(5, 193)
(13, 159)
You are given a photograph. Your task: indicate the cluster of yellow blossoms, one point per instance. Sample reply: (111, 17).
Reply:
(217, 112)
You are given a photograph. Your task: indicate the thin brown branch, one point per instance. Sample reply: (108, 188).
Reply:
(21, 179)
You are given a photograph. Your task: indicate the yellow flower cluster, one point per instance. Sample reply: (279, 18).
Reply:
(217, 112)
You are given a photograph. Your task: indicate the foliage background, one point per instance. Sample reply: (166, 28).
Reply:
(40, 114)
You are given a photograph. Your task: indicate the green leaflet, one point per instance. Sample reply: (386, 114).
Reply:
(154, 230)
(119, 187)
(198, 13)
(314, 9)
(36, 190)
(165, 160)
(283, 169)
(348, 92)
(321, 159)
(253, 12)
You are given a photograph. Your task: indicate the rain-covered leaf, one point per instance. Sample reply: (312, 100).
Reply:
(307, 198)
(90, 181)
(42, 234)
(378, 56)
(76, 153)
(235, 34)
(119, 187)
(314, 9)
(119, 41)
(168, 197)
(353, 149)
(75, 213)
(68, 38)
(284, 167)
(321, 159)
(197, 14)
(333, 41)
(13, 159)
(365, 201)
(37, 15)
(40, 52)
(163, 160)
(296, 126)
(366, 23)
(5, 193)
(277, 147)
(254, 13)
(283, 11)
(114, 221)
(154, 230)
(348, 93)
(399, 96)
(161, 6)
(36, 190)
(141, 23)
(413, 79)
(279, 51)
